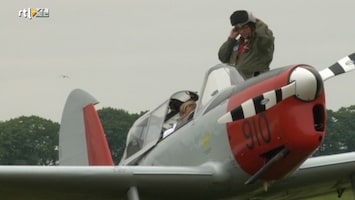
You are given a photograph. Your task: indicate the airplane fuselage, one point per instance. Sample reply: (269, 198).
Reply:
(247, 145)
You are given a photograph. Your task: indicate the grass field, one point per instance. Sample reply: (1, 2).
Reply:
(346, 196)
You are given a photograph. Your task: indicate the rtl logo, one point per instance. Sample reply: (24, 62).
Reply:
(33, 12)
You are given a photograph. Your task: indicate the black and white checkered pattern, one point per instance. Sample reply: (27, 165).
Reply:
(259, 103)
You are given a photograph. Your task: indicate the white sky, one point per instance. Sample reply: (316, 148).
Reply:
(133, 54)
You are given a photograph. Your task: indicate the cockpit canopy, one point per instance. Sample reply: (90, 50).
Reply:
(148, 129)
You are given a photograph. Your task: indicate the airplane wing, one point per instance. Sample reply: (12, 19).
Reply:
(106, 182)
(326, 175)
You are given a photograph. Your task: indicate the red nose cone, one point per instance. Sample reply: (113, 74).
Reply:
(293, 124)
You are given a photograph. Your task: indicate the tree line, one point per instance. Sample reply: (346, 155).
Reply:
(32, 140)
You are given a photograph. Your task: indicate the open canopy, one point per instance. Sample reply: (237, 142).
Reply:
(148, 129)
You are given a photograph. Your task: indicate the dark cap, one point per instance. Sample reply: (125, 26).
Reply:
(241, 17)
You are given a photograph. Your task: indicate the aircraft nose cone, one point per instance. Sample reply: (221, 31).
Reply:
(309, 83)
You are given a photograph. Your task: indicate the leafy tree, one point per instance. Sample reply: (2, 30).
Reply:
(340, 132)
(28, 141)
(116, 123)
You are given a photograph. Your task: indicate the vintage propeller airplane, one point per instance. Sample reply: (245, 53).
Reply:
(246, 139)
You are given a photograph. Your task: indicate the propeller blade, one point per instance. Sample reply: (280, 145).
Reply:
(304, 78)
(343, 65)
(259, 103)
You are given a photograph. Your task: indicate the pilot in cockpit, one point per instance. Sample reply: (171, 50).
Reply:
(184, 104)
(186, 112)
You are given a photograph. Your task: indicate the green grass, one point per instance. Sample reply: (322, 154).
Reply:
(348, 195)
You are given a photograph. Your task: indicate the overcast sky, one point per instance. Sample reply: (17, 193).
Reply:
(133, 54)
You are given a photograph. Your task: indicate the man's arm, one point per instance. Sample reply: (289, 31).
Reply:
(225, 51)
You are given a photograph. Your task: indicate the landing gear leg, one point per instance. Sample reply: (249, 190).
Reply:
(266, 186)
(340, 192)
(132, 193)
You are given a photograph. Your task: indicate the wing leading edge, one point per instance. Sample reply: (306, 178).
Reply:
(110, 182)
(326, 175)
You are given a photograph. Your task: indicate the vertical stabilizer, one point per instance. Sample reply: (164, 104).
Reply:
(81, 137)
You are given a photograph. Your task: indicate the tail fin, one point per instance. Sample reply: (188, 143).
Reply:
(82, 140)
